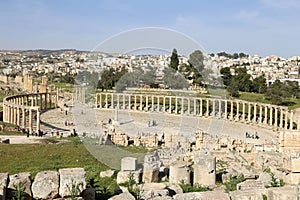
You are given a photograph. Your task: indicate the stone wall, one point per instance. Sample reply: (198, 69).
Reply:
(46, 184)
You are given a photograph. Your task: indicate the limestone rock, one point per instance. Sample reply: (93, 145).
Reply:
(129, 164)
(151, 168)
(250, 185)
(123, 176)
(3, 185)
(151, 190)
(283, 193)
(179, 171)
(202, 195)
(123, 196)
(265, 178)
(161, 198)
(45, 185)
(154, 186)
(107, 173)
(22, 182)
(89, 194)
(248, 194)
(187, 196)
(71, 177)
(155, 193)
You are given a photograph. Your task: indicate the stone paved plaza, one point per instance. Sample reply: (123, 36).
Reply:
(89, 120)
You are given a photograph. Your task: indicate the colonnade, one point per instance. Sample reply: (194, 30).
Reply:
(24, 109)
(79, 94)
(234, 110)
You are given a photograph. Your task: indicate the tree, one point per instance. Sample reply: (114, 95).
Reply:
(196, 60)
(259, 85)
(243, 80)
(226, 75)
(174, 60)
(233, 89)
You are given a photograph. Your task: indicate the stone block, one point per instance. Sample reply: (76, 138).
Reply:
(45, 185)
(293, 178)
(248, 194)
(123, 176)
(107, 173)
(123, 196)
(202, 195)
(179, 171)
(22, 182)
(3, 185)
(71, 177)
(250, 185)
(283, 193)
(295, 164)
(205, 170)
(129, 164)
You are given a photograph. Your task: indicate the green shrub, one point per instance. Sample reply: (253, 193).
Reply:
(233, 181)
(195, 188)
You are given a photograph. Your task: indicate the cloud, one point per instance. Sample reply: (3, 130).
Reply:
(282, 4)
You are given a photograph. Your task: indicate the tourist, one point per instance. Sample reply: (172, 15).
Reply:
(256, 136)
(52, 132)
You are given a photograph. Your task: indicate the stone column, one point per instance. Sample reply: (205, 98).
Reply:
(106, 101)
(30, 120)
(266, 115)
(14, 115)
(112, 101)
(291, 119)
(207, 108)
(141, 102)
(214, 108)
(41, 101)
(18, 116)
(243, 115)
(260, 113)
(37, 120)
(237, 110)
(100, 100)
(195, 106)
(255, 113)
(129, 102)
(231, 110)
(23, 118)
(147, 102)
(276, 117)
(271, 116)
(118, 101)
(201, 107)
(286, 119)
(135, 102)
(4, 112)
(249, 112)
(281, 118)
(152, 103)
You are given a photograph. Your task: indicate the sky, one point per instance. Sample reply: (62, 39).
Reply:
(262, 27)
